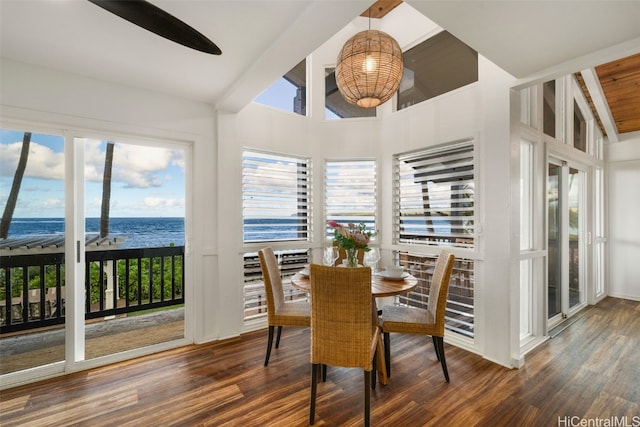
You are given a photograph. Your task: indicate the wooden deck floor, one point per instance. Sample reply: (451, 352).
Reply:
(29, 349)
(591, 370)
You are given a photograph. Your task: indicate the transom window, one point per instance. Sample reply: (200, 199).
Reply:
(335, 106)
(438, 65)
(288, 93)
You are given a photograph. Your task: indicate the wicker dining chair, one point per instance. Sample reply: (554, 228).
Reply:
(413, 320)
(342, 331)
(279, 313)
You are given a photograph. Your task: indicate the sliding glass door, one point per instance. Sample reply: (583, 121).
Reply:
(134, 252)
(92, 258)
(566, 205)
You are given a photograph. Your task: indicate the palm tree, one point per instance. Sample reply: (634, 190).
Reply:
(106, 191)
(7, 216)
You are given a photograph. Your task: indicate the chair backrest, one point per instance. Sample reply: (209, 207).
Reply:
(272, 280)
(440, 288)
(341, 317)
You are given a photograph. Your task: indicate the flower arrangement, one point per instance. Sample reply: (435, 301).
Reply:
(351, 238)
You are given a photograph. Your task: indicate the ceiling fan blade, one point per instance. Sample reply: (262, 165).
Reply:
(156, 20)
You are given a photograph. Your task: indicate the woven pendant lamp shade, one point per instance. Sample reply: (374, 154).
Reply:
(370, 67)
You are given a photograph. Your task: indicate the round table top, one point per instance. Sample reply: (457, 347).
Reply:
(380, 287)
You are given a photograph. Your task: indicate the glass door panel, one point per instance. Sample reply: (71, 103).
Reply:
(32, 285)
(554, 247)
(134, 208)
(575, 221)
(565, 242)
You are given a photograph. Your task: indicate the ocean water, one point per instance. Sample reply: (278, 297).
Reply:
(151, 232)
(139, 232)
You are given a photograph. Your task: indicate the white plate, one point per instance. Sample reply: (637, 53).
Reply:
(305, 272)
(384, 275)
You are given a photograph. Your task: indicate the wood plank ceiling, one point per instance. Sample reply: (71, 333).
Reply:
(620, 81)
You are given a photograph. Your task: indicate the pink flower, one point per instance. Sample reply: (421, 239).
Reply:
(360, 239)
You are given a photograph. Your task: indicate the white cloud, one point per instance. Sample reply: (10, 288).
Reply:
(42, 162)
(53, 203)
(159, 202)
(134, 166)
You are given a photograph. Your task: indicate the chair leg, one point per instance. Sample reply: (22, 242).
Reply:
(314, 386)
(387, 352)
(278, 338)
(324, 373)
(443, 362)
(374, 371)
(367, 397)
(269, 345)
(435, 347)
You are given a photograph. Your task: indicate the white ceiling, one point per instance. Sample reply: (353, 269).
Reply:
(261, 40)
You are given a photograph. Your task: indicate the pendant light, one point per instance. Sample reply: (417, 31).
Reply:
(369, 68)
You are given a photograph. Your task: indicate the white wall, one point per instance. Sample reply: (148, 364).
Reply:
(623, 167)
(478, 111)
(61, 101)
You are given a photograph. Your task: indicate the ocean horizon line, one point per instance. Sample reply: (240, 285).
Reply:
(97, 217)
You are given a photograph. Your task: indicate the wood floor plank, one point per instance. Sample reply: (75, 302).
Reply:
(589, 370)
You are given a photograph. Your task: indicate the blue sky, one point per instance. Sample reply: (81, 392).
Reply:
(281, 94)
(146, 181)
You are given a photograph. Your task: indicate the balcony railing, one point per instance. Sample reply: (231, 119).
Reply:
(33, 290)
(459, 313)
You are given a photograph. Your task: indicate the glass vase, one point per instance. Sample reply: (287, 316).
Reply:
(352, 257)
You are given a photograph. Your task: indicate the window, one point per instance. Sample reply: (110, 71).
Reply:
(528, 106)
(434, 192)
(579, 129)
(527, 203)
(438, 65)
(549, 108)
(600, 238)
(526, 195)
(350, 193)
(335, 106)
(275, 198)
(276, 208)
(289, 93)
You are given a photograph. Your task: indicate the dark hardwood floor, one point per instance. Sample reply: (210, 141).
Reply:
(590, 370)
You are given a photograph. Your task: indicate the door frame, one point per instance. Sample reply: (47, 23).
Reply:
(567, 311)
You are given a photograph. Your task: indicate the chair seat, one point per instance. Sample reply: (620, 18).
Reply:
(410, 320)
(293, 314)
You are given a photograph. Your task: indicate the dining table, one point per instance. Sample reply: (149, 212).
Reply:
(381, 286)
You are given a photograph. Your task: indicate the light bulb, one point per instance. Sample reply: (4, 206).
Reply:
(370, 64)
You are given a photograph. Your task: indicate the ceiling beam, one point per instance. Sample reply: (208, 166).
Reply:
(600, 102)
